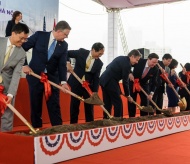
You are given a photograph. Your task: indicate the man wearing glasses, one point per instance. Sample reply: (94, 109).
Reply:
(49, 55)
(12, 58)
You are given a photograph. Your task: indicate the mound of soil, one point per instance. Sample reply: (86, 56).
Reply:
(98, 124)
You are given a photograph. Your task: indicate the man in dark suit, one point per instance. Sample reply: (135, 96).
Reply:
(160, 85)
(185, 77)
(53, 64)
(139, 72)
(87, 67)
(117, 70)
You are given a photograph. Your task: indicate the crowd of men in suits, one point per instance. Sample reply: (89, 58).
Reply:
(50, 55)
(150, 74)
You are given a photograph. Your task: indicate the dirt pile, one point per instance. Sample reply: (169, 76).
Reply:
(98, 124)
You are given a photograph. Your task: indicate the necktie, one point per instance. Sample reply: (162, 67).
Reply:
(8, 54)
(51, 49)
(88, 62)
(145, 72)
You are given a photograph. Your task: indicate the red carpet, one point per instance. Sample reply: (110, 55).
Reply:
(171, 149)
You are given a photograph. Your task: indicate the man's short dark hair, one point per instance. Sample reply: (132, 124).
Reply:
(187, 66)
(19, 28)
(173, 64)
(153, 55)
(97, 46)
(135, 53)
(62, 25)
(167, 56)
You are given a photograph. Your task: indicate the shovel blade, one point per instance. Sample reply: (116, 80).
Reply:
(94, 100)
(182, 104)
(167, 113)
(147, 109)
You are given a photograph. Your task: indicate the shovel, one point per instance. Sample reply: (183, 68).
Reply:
(22, 118)
(92, 100)
(3, 98)
(165, 111)
(142, 108)
(85, 85)
(182, 102)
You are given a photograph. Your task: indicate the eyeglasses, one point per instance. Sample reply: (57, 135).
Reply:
(23, 39)
(66, 35)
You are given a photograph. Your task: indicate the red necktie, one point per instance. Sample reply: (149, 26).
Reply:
(145, 72)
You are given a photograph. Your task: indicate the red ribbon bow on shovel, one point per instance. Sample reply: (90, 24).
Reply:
(180, 83)
(85, 84)
(47, 86)
(136, 85)
(164, 76)
(3, 98)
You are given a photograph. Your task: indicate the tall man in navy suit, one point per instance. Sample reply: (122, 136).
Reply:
(87, 67)
(117, 70)
(53, 65)
(139, 72)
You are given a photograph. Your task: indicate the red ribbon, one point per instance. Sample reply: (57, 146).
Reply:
(85, 84)
(136, 85)
(3, 98)
(179, 82)
(164, 76)
(187, 73)
(47, 87)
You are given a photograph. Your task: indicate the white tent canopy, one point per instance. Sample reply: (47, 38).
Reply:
(160, 28)
(123, 4)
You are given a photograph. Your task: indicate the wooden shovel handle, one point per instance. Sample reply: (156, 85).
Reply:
(134, 102)
(105, 110)
(150, 99)
(90, 92)
(169, 82)
(22, 118)
(76, 76)
(59, 87)
(140, 107)
(84, 83)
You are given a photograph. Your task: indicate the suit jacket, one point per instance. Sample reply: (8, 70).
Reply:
(92, 77)
(56, 65)
(117, 70)
(152, 74)
(183, 77)
(182, 91)
(11, 71)
(9, 27)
